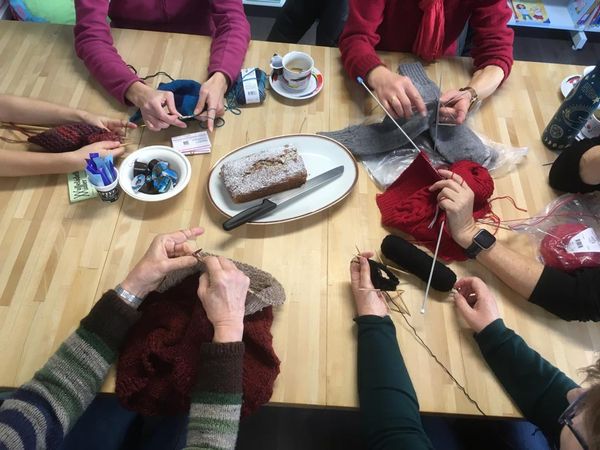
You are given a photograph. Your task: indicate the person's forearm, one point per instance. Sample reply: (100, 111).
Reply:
(36, 112)
(485, 81)
(517, 271)
(537, 387)
(217, 397)
(388, 402)
(41, 412)
(15, 163)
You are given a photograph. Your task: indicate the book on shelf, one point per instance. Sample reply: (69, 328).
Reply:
(530, 11)
(581, 10)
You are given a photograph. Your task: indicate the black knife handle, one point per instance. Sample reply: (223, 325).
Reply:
(248, 214)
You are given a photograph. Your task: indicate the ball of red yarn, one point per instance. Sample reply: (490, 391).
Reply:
(409, 206)
(553, 248)
(158, 366)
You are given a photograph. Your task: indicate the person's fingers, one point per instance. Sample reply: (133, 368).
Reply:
(445, 184)
(180, 262)
(182, 249)
(203, 284)
(151, 123)
(394, 106)
(210, 115)
(406, 104)
(463, 307)
(212, 264)
(416, 99)
(185, 234)
(116, 152)
(226, 263)
(169, 100)
(201, 102)
(220, 107)
(365, 274)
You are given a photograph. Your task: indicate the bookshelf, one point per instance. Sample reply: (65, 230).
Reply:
(560, 19)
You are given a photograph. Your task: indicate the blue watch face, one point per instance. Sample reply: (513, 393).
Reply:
(484, 239)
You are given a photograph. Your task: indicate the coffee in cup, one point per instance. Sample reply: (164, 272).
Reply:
(297, 70)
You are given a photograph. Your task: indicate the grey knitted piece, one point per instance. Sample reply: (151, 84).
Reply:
(264, 289)
(452, 143)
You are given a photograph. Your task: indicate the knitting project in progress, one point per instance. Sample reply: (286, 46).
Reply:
(451, 143)
(73, 136)
(409, 206)
(158, 366)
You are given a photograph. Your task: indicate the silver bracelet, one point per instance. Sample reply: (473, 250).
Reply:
(131, 299)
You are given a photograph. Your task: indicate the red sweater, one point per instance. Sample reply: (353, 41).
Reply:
(392, 25)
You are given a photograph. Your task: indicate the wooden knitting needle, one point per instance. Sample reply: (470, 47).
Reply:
(435, 254)
(361, 81)
(26, 126)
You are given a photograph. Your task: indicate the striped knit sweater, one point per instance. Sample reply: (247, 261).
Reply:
(41, 412)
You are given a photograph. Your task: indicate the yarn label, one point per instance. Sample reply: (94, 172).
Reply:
(79, 187)
(585, 241)
(192, 143)
(250, 85)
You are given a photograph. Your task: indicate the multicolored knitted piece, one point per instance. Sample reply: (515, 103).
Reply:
(73, 136)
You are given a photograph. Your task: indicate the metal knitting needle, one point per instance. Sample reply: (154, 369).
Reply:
(361, 81)
(437, 247)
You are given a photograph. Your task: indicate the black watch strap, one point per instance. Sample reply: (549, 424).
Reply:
(483, 240)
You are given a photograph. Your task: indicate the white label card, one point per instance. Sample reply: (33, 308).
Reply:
(250, 86)
(585, 241)
(192, 143)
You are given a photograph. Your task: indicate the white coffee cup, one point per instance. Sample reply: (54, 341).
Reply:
(591, 129)
(297, 70)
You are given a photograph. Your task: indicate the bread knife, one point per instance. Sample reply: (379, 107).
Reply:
(269, 204)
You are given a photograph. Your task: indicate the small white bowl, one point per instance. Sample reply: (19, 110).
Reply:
(177, 161)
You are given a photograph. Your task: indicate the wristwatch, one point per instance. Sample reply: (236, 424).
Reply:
(483, 240)
(131, 299)
(474, 97)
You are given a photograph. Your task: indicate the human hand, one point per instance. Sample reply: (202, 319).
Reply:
(167, 252)
(222, 291)
(117, 126)
(152, 103)
(212, 94)
(367, 299)
(456, 198)
(396, 92)
(454, 106)
(475, 303)
(76, 158)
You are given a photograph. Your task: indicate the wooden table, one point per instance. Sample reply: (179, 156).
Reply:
(56, 259)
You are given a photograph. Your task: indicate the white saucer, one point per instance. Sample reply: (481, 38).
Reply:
(567, 85)
(313, 88)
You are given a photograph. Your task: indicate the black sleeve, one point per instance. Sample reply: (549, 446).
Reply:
(564, 174)
(569, 295)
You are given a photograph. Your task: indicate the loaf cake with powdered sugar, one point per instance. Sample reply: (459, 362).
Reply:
(263, 173)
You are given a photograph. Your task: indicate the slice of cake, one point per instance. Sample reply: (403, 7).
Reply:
(263, 173)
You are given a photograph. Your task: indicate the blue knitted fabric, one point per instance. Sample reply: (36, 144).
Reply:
(186, 93)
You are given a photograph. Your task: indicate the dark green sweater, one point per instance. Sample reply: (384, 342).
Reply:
(388, 403)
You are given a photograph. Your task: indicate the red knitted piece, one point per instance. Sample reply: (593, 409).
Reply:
(73, 136)
(408, 206)
(553, 249)
(158, 366)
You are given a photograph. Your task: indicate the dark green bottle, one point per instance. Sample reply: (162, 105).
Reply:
(574, 112)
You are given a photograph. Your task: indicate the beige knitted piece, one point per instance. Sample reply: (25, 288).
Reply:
(264, 289)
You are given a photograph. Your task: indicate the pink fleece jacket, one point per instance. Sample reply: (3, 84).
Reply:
(224, 20)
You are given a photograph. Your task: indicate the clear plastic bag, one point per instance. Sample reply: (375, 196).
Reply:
(385, 168)
(567, 232)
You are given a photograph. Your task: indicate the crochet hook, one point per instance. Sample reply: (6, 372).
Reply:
(435, 254)
(361, 81)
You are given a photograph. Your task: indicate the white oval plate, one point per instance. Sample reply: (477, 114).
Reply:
(319, 154)
(176, 160)
(313, 87)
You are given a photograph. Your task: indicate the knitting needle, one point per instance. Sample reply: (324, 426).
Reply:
(435, 254)
(361, 81)
(26, 126)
